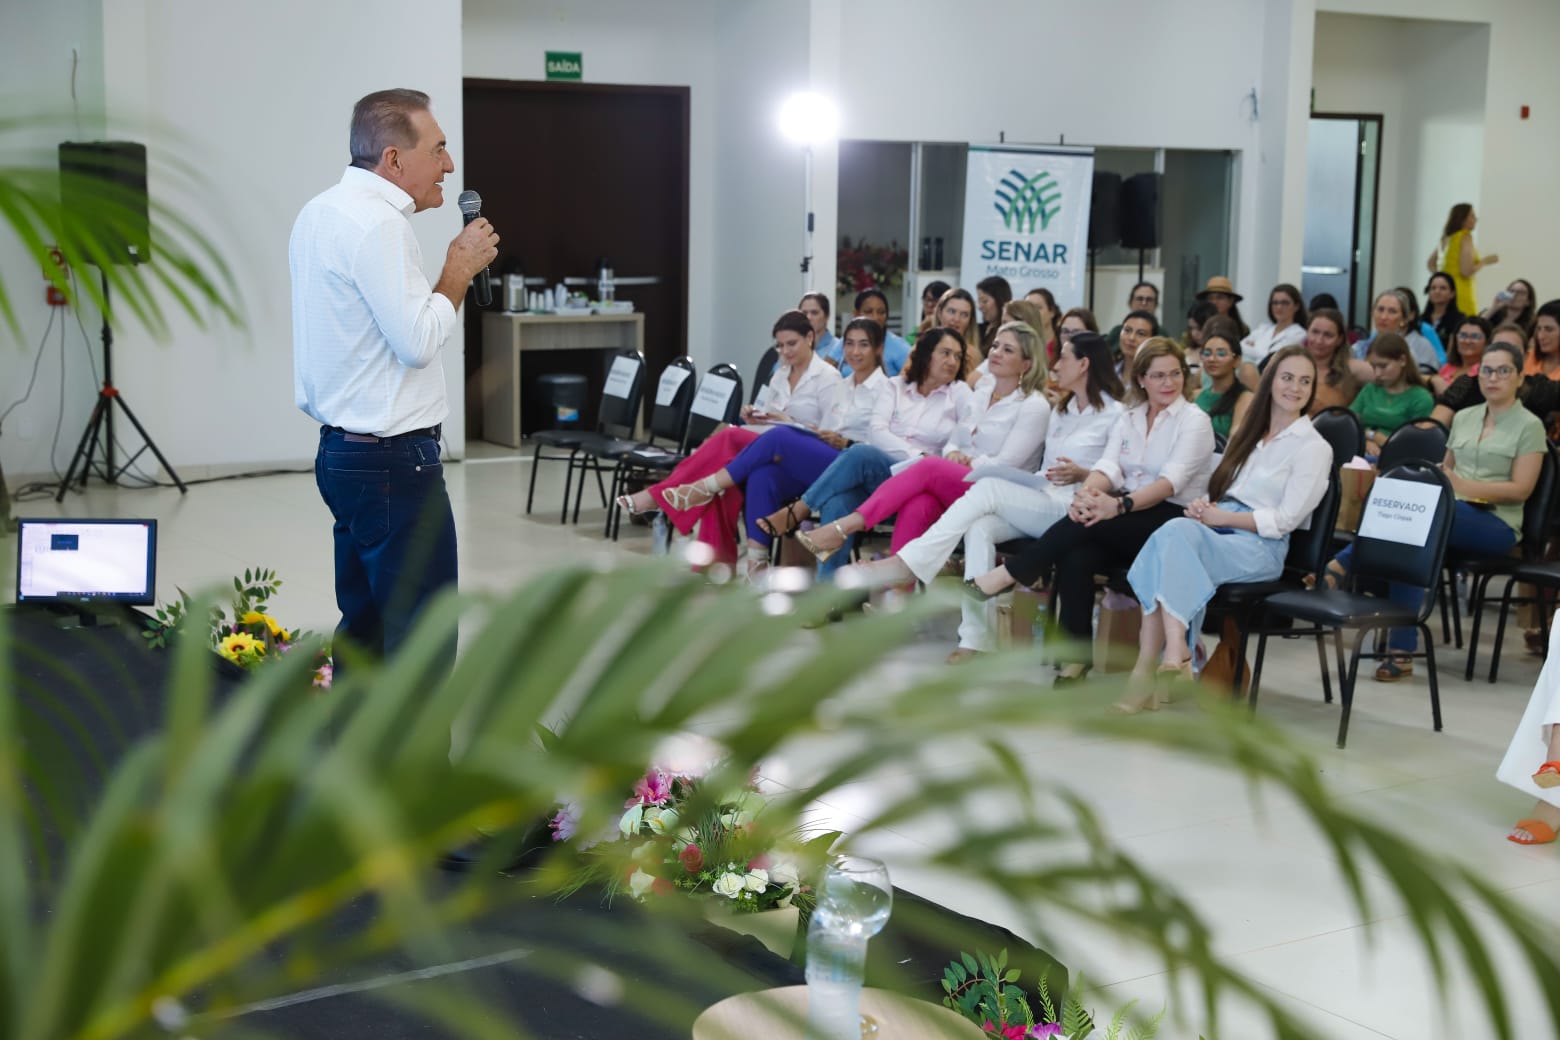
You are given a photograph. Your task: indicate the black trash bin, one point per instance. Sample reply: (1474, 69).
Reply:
(560, 398)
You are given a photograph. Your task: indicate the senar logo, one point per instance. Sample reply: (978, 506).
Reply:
(1025, 202)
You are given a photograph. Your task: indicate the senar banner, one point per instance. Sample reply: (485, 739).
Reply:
(1026, 218)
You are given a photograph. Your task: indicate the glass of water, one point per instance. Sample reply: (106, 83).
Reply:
(854, 901)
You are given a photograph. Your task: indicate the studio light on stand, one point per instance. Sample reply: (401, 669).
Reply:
(808, 119)
(107, 179)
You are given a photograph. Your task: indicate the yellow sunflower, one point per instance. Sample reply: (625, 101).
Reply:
(254, 617)
(241, 648)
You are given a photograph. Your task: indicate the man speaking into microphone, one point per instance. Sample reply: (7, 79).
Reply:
(368, 335)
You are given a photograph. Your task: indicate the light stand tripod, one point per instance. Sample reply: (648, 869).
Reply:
(100, 427)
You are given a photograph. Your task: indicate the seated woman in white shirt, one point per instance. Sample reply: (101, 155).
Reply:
(912, 412)
(1274, 472)
(1285, 327)
(996, 509)
(1004, 425)
(1155, 464)
(804, 388)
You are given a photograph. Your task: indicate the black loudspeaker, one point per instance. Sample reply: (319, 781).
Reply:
(1105, 210)
(1140, 211)
(103, 196)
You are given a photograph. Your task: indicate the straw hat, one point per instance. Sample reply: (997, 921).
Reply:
(1220, 284)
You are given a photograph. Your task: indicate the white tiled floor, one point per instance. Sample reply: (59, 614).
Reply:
(1255, 869)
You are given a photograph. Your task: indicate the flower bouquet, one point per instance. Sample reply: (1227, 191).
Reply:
(679, 836)
(244, 634)
(866, 266)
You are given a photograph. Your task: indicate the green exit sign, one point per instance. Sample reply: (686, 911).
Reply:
(565, 65)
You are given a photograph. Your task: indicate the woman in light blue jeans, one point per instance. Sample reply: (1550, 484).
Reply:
(1274, 472)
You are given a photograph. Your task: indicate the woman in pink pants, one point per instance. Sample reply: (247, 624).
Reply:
(1005, 427)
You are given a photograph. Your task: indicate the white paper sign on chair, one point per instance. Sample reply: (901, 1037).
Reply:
(714, 394)
(1400, 511)
(671, 379)
(620, 380)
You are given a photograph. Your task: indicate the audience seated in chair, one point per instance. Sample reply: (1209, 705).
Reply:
(1493, 456)
(1273, 473)
(996, 509)
(1339, 373)
(1155, 465)
(1396, 396)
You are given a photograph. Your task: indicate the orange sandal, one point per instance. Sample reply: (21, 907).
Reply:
(1548, 775)
(1542, 833)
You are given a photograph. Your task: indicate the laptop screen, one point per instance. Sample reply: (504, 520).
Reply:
(73, 560)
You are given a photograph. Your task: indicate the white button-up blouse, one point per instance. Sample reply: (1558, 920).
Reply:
(812, 398)
(1284, 479)
(1009, 432)
(906, 425)
(1179, 448)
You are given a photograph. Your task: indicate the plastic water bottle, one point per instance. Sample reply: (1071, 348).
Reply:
(660, 537)
(853, 905)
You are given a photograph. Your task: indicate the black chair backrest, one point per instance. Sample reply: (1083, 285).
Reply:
(766, 368)
(1343, 430)
(673, 400)
(1538, 512)
(1311, 547)
(709, 414)
(1423, 440)
(1409, 564)
(619, 415)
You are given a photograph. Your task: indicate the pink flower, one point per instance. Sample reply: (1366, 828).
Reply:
(1041, 1030)
(692, 858)
(654, 788)
(324, 675)
(565, 822)
(759, 862)
(662, 887)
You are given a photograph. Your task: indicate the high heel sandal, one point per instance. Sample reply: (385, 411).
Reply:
(690, 496)
(626, 504)
(817, 550)
(1067, 678)
(976, 592)
(772, 531)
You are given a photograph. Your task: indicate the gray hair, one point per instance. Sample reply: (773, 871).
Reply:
(383, 119)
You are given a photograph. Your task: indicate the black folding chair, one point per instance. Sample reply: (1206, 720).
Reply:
(615, 418)
(1423, 440)
(1309, 550)
(668, 426)
(1377, 560)
(1341, 428)
(766, 368)
(717, 401)
(1538, 518)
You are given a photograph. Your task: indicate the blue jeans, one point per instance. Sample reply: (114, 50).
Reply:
(394, 534)
(847, 483)
(1473, 529)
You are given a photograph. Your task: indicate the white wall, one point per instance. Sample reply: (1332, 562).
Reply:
(761, 58)
(265, 124)
(36, 42)
(1518, 216)
(671, 43)
(1427, 81)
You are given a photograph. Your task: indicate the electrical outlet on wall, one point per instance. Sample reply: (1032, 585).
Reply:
(54, 278)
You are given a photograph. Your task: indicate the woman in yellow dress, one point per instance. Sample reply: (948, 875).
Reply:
(1457, 256)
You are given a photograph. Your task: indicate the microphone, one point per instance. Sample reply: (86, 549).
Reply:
(470, 204)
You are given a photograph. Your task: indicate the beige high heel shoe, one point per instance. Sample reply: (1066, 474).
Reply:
(692, 496)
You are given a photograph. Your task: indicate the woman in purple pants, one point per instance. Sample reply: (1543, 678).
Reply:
(785, 462)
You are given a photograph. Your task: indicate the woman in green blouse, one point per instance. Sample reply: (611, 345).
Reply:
(1224, 397)
(1396, 397)
(1493, 457)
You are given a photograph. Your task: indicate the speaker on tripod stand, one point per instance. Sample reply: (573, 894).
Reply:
(107, 219)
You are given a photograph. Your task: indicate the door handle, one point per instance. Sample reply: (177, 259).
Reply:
(1308, 269)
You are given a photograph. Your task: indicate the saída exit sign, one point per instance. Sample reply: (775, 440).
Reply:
(565, 65)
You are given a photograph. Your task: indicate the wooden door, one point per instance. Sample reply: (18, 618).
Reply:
(570, 173)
